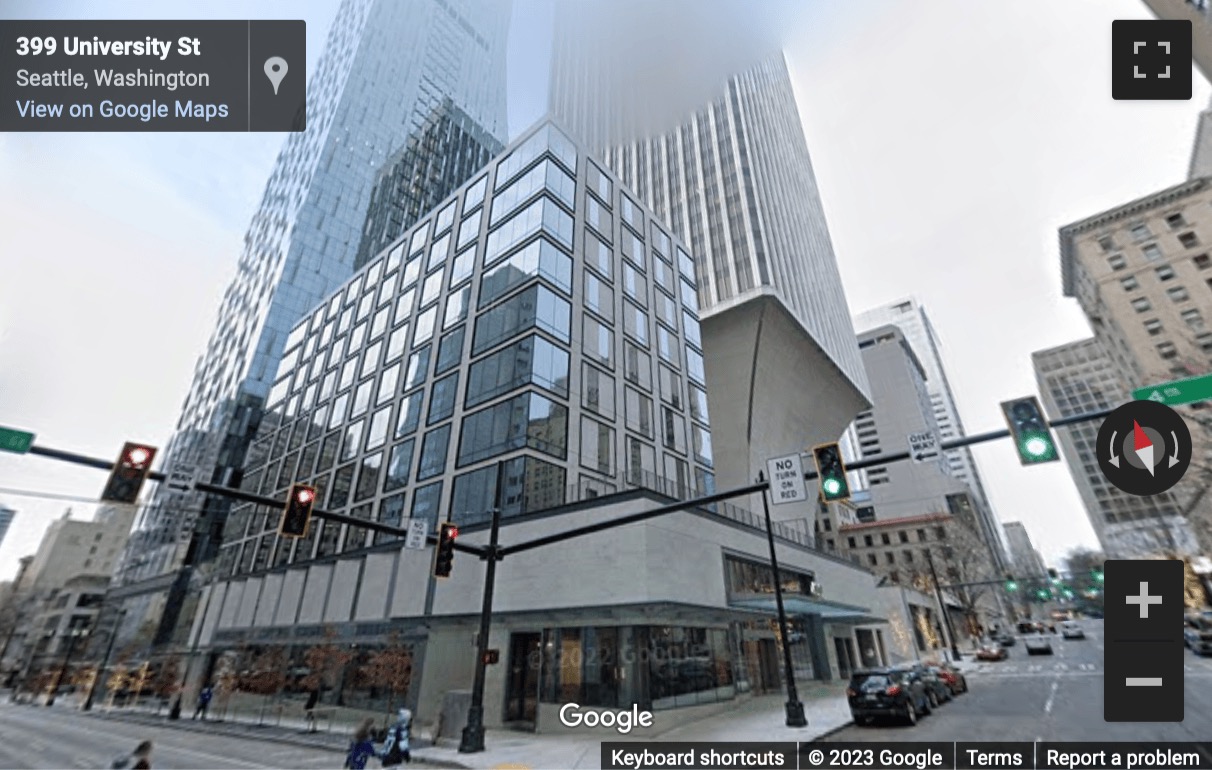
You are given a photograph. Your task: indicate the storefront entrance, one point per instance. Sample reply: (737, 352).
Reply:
(522, 690)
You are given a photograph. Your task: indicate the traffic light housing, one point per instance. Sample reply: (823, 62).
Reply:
(296, 514)
(443, 555)
(831, 472)
(1032, 438)
(1098, 576)
(1053, 575)
(1011, 583)
(130, 470)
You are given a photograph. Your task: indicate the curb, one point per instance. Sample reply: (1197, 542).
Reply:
(832, 731)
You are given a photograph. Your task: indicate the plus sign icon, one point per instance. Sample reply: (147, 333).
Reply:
(1151, 59)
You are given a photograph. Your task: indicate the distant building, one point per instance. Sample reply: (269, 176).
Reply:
(6, 519)
(902, 406)
(1079, 378)
(910, 317)
(1027, 561)
(71, 547)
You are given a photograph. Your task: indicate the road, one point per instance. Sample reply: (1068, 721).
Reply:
(36, 737)
(1048, 698)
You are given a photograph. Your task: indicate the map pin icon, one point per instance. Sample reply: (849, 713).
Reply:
(275, 70)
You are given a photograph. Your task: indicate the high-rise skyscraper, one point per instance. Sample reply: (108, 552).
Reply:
(910, 317)
(1026, 561)
(734, 180)
(387, 66)
(1079, 378)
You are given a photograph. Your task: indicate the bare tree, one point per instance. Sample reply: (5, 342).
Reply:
(390, 668)
(961, 558)
(168, 678)
(325, 662)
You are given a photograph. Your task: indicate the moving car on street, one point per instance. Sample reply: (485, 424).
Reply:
(1071, 630)
(887, 692)
(1038, 645)
(989, 652)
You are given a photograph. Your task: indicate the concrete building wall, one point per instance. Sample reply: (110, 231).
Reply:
(72, 548)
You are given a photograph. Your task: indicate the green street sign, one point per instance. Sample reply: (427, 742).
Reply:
(1178, 392)
(18, 441)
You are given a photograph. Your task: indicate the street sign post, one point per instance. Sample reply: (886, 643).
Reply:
(923, 447)
(181, 478)
(1177, 392)
(13, 440)
(418, 530)
(786, 479)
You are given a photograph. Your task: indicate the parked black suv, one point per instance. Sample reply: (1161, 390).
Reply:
(887, 692)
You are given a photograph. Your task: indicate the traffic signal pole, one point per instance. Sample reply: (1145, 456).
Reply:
(795, 709)
(473, 733)
(942, 606)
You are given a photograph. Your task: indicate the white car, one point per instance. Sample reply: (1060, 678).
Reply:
(1038, 645)
(1071, 630)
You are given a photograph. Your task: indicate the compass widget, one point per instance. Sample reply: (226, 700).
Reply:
(1144, 448)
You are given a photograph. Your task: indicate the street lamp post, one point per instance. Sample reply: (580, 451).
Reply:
(795, 709)
(72, 635)
(109, 648)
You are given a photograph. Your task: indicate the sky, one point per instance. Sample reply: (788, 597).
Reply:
(950, 140)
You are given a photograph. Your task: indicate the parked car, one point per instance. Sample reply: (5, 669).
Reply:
(1071, 630)
(951, 676)
(936, 689)
(989, 652)
(1038, 645)
(1198, 634)
(1007, 640)
(887, 692)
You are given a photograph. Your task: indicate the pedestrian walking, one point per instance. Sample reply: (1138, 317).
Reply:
(310, 709)
(139, 759)
(204, 702)
(396, 748)
(362, 747)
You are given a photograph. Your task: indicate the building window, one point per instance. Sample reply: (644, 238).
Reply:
(921, 536)
(903, 536)
(908, 556)
(885, 539)
(399, 465)
(539, 258)
(851, 543)
(1176, 221)
(597, 391)
(1141, 232)
(597, 446)
(442, 398)
(1178, 293)
(1129, 283)
(537, 307)
(599, 297)
(639, 412)
(1164, 273)
(528, 420)
(1202, 261)
(1153, 326)
(1167, 350)
(1151, 252)
(940, 533)
(872, 560)
(1141, 305)
(531, 360)
(433, 453)
(1188, 240)
(597, 341)
(1193, 318)
(828, 525)
(1107, 243)
(1204, 340)
(868, 541)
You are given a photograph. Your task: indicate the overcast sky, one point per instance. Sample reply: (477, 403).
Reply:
(951, 139)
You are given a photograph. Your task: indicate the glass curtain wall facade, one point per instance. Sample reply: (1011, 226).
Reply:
(386, 67)
(734, 181)
(538, 332)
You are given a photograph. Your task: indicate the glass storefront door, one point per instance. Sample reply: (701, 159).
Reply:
(522, 690)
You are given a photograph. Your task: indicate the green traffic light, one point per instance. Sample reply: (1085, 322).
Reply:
(1098, 576)
(832, 486)
(1012, 586)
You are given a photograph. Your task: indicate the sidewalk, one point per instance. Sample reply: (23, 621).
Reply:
(756, 719)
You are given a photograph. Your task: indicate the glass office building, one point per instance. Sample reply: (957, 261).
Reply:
(387, 66)
(538, 333)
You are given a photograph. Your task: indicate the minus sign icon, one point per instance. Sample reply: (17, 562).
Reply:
(1143, 681)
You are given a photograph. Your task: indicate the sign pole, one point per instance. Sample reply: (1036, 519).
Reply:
(795, 709)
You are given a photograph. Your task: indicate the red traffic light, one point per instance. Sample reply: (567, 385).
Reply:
(304, 494)
(451, 531)
(128, 474)
(139, 456)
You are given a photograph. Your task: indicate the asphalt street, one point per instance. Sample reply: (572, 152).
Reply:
(36, 737)
(1048, 698)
